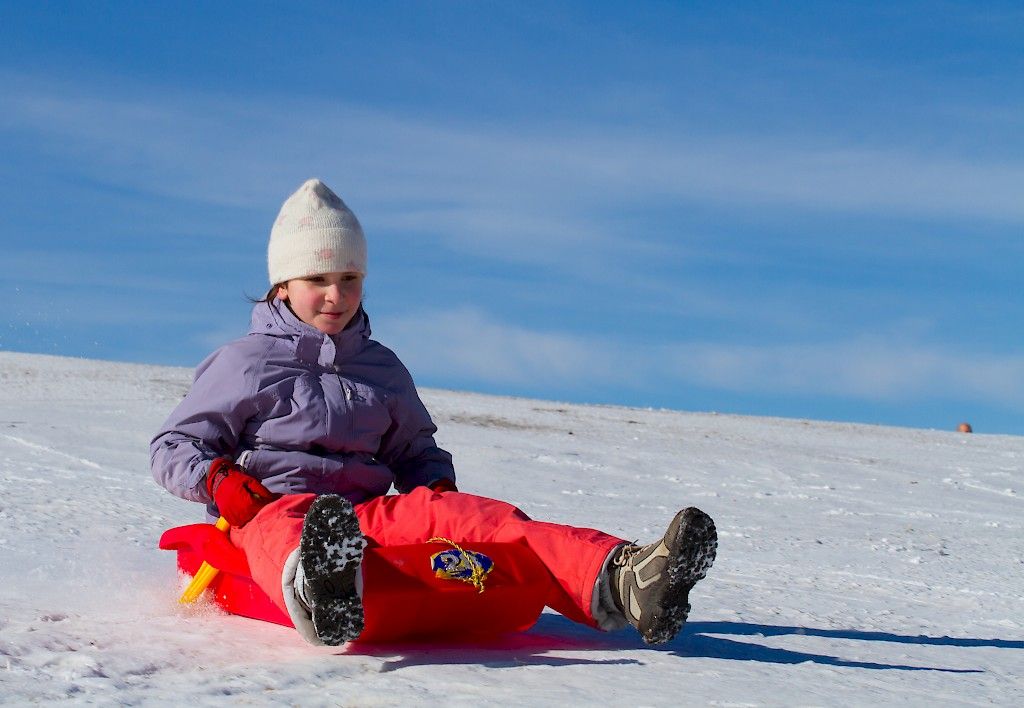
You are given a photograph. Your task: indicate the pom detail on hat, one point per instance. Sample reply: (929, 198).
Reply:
(315, 233)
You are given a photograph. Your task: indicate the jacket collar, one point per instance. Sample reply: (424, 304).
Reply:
(311, 345)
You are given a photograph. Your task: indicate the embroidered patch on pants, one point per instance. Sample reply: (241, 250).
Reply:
(459, 564)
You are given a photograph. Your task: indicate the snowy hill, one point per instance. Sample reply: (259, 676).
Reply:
(857, 564)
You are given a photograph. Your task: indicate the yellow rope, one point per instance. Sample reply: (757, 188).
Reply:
(476, 579)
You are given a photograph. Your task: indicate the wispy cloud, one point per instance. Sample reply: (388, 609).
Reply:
(534, 194)
(483, 349)
(726, 203)
(861, 368)
(549, 179)
(480, 349)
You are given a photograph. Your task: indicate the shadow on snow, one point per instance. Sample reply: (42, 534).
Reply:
(766, 630)
(554, 633)
(695, 641)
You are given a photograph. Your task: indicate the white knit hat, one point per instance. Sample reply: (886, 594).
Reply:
(315, 233)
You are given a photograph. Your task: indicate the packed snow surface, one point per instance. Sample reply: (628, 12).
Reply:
(857, 565)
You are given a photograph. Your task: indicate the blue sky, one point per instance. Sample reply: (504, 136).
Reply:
(807, 210)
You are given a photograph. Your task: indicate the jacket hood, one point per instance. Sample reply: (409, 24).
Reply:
(277, 320)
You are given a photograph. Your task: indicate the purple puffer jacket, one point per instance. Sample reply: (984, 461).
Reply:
(304, 412)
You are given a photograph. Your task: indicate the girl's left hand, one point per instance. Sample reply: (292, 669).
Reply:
(443, 485)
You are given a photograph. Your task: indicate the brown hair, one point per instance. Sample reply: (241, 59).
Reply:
(272, 294)
(268, 298)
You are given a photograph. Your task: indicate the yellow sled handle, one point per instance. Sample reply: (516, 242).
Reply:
(204, 576)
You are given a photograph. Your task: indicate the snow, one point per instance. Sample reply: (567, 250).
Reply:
(857, 564)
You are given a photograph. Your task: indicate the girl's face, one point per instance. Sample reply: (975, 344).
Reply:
(327, 302)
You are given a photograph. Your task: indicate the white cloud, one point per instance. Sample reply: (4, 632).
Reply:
(537, 194)
(468, 345)
(864, 368)
(465, 344)
(482, 182)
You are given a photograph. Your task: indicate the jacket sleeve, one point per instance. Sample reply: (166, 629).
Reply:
(408, 448)
(208, 423)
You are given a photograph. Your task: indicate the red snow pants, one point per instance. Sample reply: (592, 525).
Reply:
(573, 556)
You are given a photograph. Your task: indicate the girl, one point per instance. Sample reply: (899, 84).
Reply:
(296, 432)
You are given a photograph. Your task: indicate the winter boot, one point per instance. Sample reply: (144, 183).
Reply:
(330, 553)
(651, 584)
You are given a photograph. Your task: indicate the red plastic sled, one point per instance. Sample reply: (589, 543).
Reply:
(402, 597)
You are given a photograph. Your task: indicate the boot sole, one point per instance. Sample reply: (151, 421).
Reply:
(331, 551)
(693, 550)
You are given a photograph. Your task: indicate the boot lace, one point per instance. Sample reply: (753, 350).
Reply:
(625, 555)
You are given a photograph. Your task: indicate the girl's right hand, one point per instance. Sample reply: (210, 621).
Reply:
(238, 496)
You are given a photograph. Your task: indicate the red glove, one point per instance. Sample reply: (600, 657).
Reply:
(237, 495)
(443, 485)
